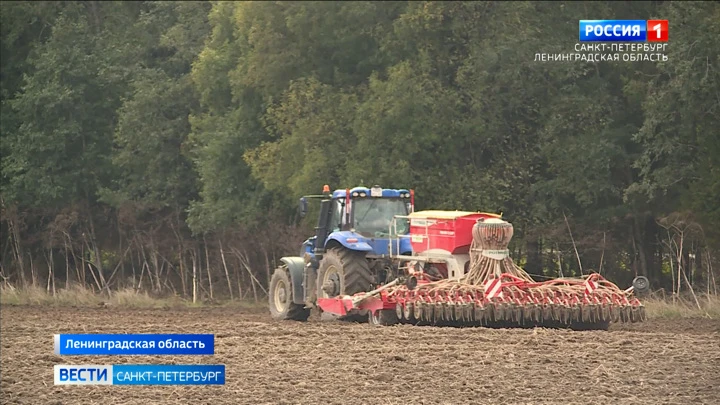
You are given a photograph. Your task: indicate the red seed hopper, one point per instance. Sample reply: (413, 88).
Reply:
(449, 231)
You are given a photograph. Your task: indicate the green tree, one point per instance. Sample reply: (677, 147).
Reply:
(67, 108)
(256, 50)
(153, 123)
(679, 161)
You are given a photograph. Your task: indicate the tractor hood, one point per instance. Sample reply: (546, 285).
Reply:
(376, 246)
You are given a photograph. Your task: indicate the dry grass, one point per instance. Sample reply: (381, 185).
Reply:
(74, 296)
(77, 296)
(683, 307)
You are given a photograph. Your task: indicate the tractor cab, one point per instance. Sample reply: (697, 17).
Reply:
(360, 219)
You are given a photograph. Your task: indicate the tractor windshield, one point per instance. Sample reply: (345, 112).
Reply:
(373, 216)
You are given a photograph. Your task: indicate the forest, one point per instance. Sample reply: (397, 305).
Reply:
(163, 146)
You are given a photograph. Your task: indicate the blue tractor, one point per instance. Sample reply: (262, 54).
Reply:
(350, 253)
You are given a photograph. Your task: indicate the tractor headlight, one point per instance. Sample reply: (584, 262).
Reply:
(363, 194)
(355, 194)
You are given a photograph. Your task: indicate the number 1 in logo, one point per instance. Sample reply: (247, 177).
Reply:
(657, 30)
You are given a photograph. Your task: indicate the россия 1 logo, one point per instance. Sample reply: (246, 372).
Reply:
(658, 30)
(624, 30)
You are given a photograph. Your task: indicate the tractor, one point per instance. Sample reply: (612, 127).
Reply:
(373, 255)
(350, 252)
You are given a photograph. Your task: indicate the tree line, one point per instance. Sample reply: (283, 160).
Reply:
(162, 146)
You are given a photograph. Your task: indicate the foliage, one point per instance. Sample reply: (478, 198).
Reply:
(177, 123)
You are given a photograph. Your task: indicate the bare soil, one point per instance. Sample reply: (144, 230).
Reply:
(267, 362)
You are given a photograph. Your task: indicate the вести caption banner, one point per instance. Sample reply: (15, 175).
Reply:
(140, 374)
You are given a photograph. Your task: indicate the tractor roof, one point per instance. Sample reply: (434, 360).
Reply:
(386, 192)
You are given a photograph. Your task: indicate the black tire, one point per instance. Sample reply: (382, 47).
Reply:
(349, 269)
(383, 317)
(280, 298)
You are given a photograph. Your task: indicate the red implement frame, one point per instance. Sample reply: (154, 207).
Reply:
(515, 291)
(343, 306)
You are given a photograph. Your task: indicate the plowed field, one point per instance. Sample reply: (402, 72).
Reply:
(658, 362)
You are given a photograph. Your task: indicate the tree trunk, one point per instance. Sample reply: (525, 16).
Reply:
(267, 267)
(92, 273)
(98, 258)
(194, 278)
(156, 264)
(639, 246)
(144, 265)
(207, 266)
(67, 265)
(132, 264)
(82, 262)
(698, 270)
(117, 267)
(50, 271)
(678, 257)
(559, 256)
(227, 275)
(120, 243)
(142, 273)
(181, 252)
(711, 272)
(672, 267)
(33, 274)
(19, 257)
(602, 256)
(183, 280)
(534, 263)
(80, 276)
(239, 276)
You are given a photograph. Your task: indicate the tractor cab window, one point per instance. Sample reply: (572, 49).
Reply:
(336, 219)
(373, 216)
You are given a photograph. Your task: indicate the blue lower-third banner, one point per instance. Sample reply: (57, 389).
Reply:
(124, 344)
(140, 374)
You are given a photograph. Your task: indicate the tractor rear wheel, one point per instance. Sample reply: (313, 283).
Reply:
(280, 297)
(343, 272)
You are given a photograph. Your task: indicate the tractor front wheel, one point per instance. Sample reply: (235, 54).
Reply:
(280, 298)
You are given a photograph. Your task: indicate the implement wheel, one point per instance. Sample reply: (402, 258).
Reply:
(280, 298)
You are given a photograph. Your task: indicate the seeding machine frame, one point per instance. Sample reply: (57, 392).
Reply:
(505, 300)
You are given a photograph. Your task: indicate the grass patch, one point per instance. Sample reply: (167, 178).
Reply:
(73, 296)
(78, 296)
(683, 307)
